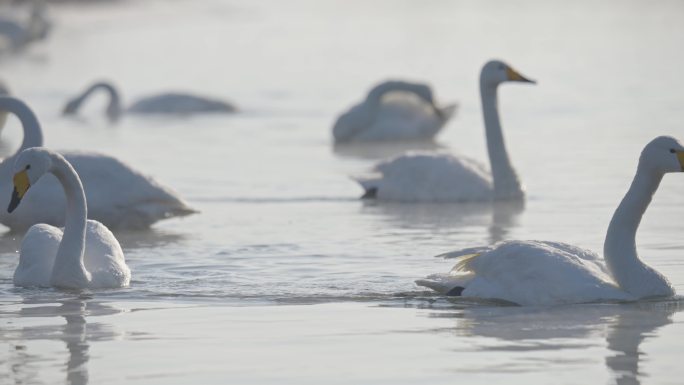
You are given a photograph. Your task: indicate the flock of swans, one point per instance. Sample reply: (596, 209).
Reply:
(52, 189)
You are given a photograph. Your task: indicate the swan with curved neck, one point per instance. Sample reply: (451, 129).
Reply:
(144, 202)
(167, 103)
(544, 273)
(446, 178)
(105, 268)
(376, 120)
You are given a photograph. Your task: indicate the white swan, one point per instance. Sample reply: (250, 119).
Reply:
(118, 195)
(168, 103)
(547, 273)
(20, 33)
(410, 115)
(85, 255)
(446, 178)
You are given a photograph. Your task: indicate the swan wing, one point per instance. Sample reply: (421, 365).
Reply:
(103, 257)
(417, 177)
(538, 273)
(37, 255)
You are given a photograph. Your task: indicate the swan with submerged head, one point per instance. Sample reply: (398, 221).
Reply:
(417, 177)
(549, 273)
(118, 195)
(167, 103)
(85, 255)
(411, 115)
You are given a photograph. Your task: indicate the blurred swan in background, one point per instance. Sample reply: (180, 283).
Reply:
(549, 273)
(445, 178)
(17, 31)
(117, 195)
(393, 110)
(4, 90)
(83, 255)
(167, 103)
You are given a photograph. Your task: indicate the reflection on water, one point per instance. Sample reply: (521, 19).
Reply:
(77, 334)
(524, 329)
(444, 218)
(381, 151)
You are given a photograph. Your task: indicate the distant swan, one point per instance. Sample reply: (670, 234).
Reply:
(85, 254)
(447, 178)
(548, 273)
(18, 33)
(118, 195)
(382, 118)
(168, 103)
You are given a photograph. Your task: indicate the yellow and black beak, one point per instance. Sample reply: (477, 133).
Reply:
(21, 185)
(514, 76)
(680, 158)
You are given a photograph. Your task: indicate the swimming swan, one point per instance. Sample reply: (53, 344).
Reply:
(447, 178)
(118, 195)
(167, 103)
(548, 273)
(380, 117)
(85, 255)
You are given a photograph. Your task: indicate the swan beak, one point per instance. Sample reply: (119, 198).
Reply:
(21, 185)
(680, 158)
(514, 76)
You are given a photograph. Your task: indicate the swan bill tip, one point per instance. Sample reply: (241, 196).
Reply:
(14, 201)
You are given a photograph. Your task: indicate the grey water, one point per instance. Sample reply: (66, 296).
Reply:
(286, 276)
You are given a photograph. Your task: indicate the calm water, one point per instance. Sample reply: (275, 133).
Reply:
(285, 276)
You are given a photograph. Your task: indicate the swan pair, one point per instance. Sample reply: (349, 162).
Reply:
(168, 103)
(118, 195)
(395, 111)
(426, 177)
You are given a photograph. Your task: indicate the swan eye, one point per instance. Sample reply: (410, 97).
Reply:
(672, 150)
(28, 166)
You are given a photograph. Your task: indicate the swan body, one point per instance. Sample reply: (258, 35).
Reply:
(83, 255)
(167, 103)
(550, 273)
(424, 177)
(117, 195)
(20, 33)
(447, 178)
(393, 111)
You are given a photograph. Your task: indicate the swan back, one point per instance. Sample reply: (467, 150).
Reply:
(179, 103)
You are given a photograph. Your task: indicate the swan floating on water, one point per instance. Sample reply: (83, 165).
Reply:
(19, 33)
(117, 195)
(167, 103)
(446, 178)
(393, 110)
(85, 254)
(548, 273)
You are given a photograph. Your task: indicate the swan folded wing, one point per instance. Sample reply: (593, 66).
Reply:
(119, 196)
(38, 251)
(104, 258)
(540, 273)
(417, 177)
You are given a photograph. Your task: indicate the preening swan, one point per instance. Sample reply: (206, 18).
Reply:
(412, 114)
(447, 178)
(547, 273)
(117, 195)
(168, 103)
(85, 255)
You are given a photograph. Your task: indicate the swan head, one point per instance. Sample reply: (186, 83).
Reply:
(662, 155)
(496, 72)
(71, 107)
(30, 166)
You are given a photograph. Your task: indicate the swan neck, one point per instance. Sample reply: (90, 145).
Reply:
(114, 110)
(69, 269)
(622, 259)
(33, 134)
(506, 182)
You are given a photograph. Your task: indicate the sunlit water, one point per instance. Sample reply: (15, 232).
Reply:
(285, 276)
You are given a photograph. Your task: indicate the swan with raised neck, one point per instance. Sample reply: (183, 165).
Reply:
(33, 133)
(69, 269)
